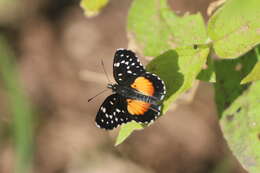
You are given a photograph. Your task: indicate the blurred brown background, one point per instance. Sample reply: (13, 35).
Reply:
(58, 54)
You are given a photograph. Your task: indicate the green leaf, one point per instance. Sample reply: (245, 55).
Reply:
(241, 127)
(229, 73)
(257, 52)
(254, 75)
(20, 109)
(208, 74)
(158, 29)
(235, 28)
(126, 130)
(93, 7)
(178, 69)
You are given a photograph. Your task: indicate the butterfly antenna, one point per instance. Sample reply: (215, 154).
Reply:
(97, 94)
(103, 66)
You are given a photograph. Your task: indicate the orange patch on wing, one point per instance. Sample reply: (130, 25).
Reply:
(144, 86)
(136, 107)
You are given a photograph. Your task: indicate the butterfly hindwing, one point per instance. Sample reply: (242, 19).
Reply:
(150, 115)
(158, 84)
(151, 85)
(112, 112)
(126, 66)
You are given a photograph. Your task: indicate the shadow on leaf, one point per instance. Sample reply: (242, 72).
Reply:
(229, 74)
(167, 68)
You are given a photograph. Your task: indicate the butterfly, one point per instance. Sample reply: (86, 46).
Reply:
(137, 95)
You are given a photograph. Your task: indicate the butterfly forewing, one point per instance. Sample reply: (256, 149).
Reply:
(126, 66)
(112, 112)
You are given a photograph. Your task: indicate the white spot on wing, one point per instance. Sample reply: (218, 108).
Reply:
(162, 97)
(116, 64)
(97, 125)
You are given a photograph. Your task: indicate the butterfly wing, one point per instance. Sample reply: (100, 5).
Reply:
(148, 84)
(130, 72)
(158, 84)
(112, 112)
(126, 66)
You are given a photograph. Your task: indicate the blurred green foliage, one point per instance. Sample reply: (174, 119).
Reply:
(229, 73)
(241, 127)
(254, 75)
(22, 128)
(159, 29)
(93, 7)
(234, 28)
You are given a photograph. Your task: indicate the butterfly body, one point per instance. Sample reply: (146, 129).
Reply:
(137, 95)
(131, 93)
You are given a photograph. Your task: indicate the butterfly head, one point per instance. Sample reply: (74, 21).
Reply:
(113, 87)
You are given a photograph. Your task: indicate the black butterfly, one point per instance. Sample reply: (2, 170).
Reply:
(137, 94)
